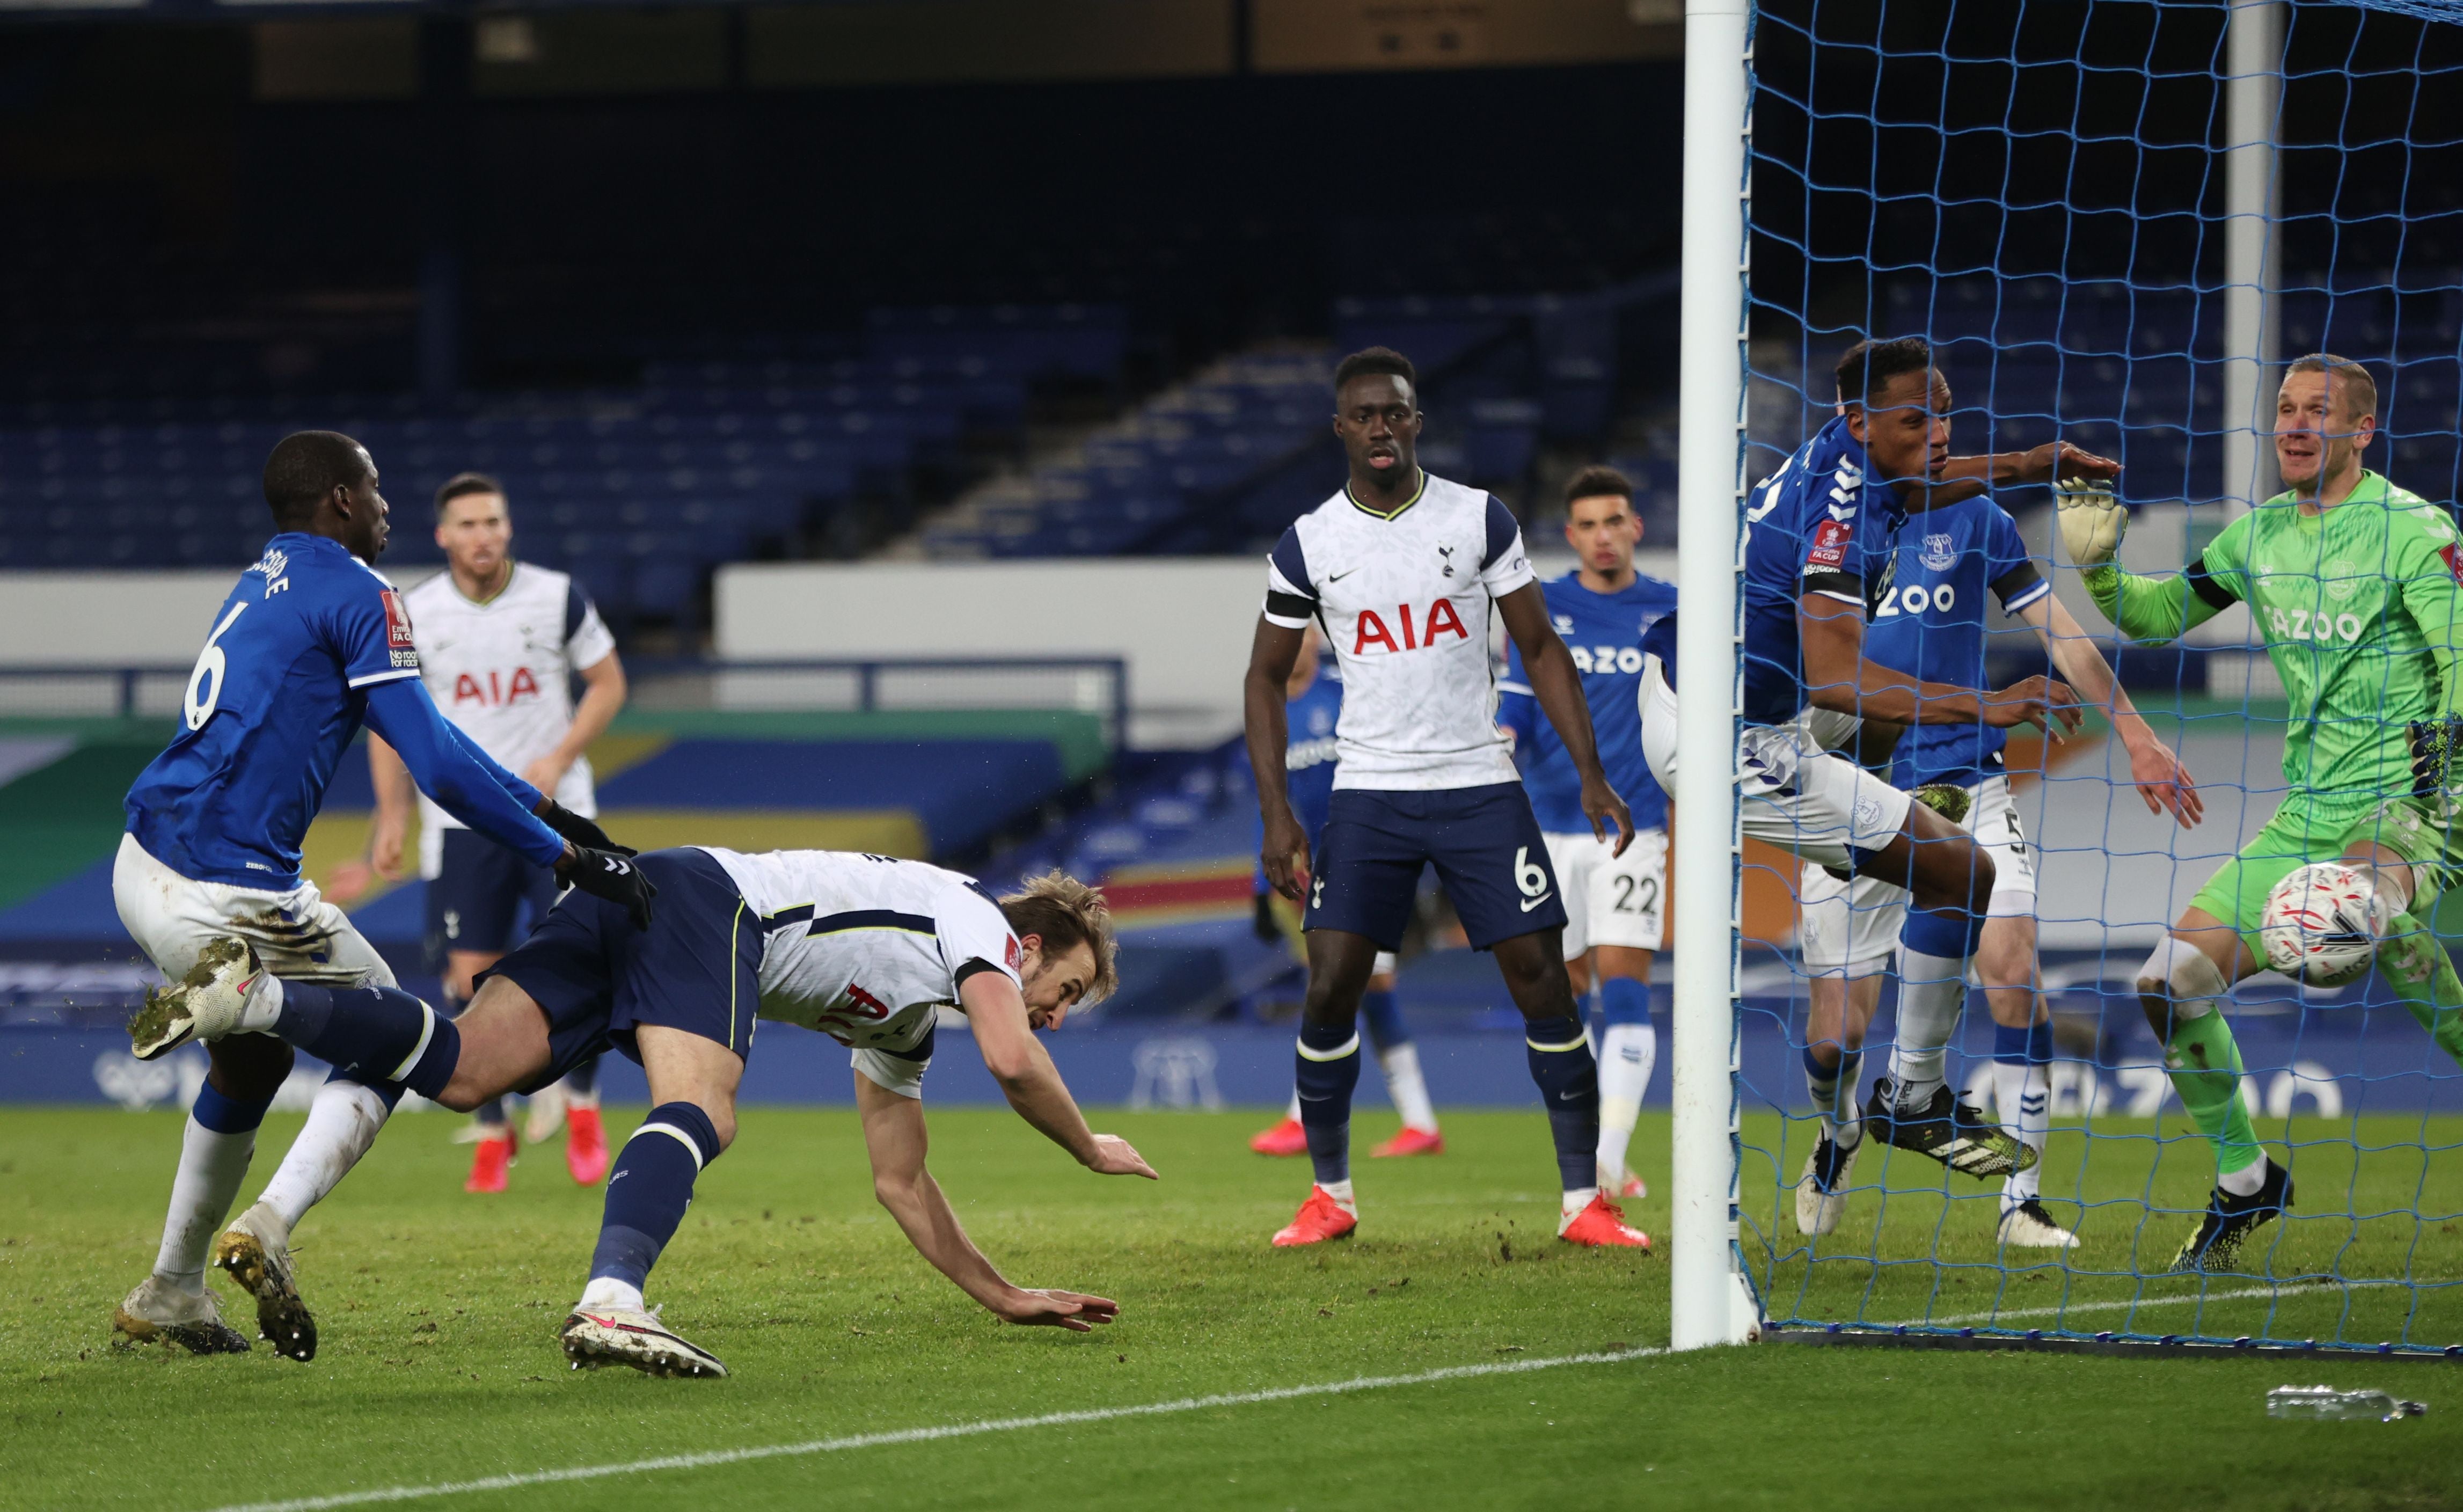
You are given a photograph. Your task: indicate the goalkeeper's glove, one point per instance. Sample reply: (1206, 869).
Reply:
(605, 874)
(2092, 519)
(2435, 744)
(585, 833)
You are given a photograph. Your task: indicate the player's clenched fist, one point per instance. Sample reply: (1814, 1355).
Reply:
(605, 874)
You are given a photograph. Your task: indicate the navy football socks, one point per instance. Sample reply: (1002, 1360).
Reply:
(1569, 1085)
(1327, 1070)
(372, 1035)
(649, 1190)
(1383, 1017)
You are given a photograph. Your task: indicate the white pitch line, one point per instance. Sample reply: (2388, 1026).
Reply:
(918, 1436)
(2060, 1308)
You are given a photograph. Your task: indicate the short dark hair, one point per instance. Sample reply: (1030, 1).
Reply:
(462, 484)
(1869, 365)
(1598, 482)
(304, 466)
(2358, 392)
(1376, 360)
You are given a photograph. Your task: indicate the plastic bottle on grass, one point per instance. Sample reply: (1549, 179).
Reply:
(2320, 1404)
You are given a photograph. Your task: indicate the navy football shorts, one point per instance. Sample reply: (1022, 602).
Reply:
(484, 898)
(1483, 841)
(696, 968)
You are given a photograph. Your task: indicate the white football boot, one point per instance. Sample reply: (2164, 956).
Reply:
(256, 1251)
(157, 1312)
(2029, 1227)
(204, 1004)
(595, 1336)
(1821, 1192)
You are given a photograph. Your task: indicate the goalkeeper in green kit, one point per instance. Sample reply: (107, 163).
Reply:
(2357, 587)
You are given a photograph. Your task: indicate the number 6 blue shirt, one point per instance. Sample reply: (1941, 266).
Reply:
(276, 697)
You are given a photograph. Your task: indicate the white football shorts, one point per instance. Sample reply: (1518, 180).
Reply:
(298, 934)
(1850, 930)
(1612, 899)
(893, 1073)
(1795, 794)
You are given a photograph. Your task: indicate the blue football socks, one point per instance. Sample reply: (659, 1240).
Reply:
(1569, 1085)
(649, 1190)
(1327, 1070)
(372, 1033)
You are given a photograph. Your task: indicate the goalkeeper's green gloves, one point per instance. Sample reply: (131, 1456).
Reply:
(2435, 745)
(2092, 519)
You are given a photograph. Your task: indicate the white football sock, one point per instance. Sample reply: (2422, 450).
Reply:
(1294, 1112)
(1931, 991)
(1576, 1199)
(211, 1168)
(2022, 1097)
(1404, 1085)
(342, 1123)
(2244, 1182)
(262, 1008)
(606, 1291)
(1340, 1193)
(1627, 1053)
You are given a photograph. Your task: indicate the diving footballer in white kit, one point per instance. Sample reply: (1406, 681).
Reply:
(1400, 570)
(868, 950)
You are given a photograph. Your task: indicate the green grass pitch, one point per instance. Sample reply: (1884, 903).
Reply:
(439, 1364)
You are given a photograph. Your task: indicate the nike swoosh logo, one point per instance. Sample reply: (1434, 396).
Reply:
(1534, 902)
(1340, 575)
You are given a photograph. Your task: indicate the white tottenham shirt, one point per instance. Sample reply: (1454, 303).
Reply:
(866, 949)
(502, 671)
(1404, 602)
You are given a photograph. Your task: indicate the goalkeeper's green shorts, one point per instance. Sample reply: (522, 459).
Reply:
(2421, 830)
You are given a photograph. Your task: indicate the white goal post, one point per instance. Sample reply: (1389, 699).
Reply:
(1709, 1301)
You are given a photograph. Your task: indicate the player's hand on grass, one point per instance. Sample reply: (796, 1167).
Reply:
(2040, 701)
(1285, 852)
(2164, 783)
(1606, 810)
(583, 833)
(2091, 519)
(1115, 1156)
(606, 874)
(1073, 1310)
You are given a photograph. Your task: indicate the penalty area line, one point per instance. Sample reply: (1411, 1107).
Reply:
(930, 1434)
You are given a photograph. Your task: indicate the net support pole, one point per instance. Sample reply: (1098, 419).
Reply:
(2251, 256)
(1704, 1289)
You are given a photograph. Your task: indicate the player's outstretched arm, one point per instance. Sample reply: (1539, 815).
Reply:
(1839, 677)
(1557, 685)
(2162, 782)
(894, 1137)
(996, 1014)
(1272, 653)
(463, 782)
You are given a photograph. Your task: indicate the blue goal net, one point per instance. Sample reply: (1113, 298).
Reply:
(2134, 228)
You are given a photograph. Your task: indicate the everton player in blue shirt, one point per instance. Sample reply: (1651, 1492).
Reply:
(310, 644)
(1928, 581)
(1615, 902)
(1310, 758)
(1807, 530)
